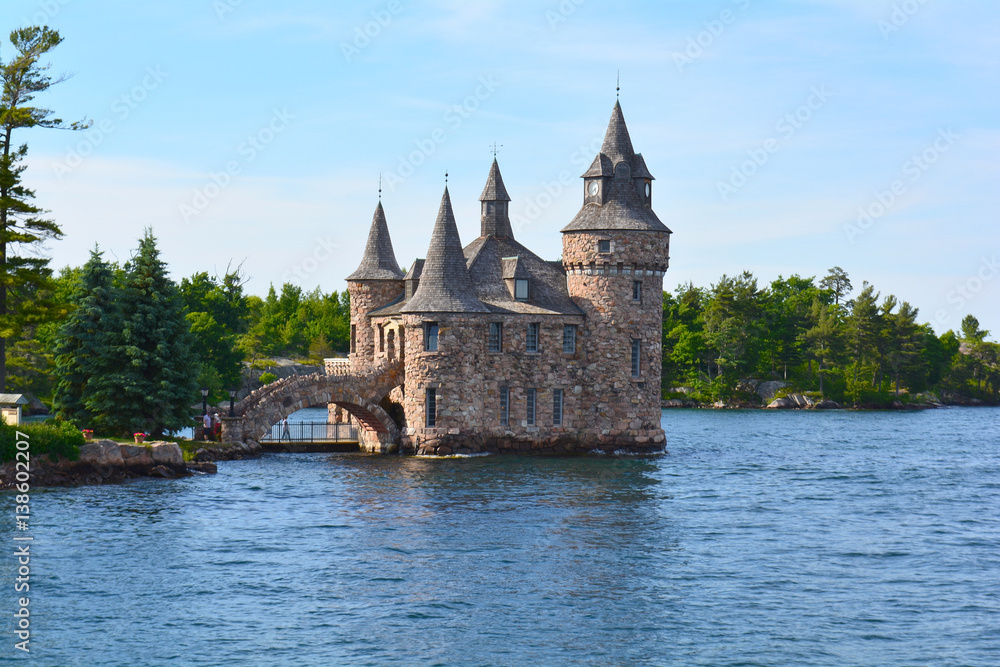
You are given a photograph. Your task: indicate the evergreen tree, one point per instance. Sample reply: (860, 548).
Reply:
(24, 277)
(216, 311)
(837, 283)
(822, 338)
(85, 346)
(156, 383)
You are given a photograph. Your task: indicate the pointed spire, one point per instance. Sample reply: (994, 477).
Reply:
(496, 215)
(617, 142)
(445, 285)
(379, 261)
(494, 190)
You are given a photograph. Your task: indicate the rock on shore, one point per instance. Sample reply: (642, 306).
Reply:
(105, 461)
(800, 402)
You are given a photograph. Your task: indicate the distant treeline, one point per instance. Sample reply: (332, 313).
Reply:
(866, 350)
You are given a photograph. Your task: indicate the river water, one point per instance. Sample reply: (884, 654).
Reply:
(844, 538)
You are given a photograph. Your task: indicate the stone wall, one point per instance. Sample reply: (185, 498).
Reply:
(602, 285)
(366, 296)
(468, 377)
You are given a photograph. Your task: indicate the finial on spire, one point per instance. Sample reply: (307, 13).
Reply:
(446, 179)
(496, 149)
(380, 186)
(618, 87)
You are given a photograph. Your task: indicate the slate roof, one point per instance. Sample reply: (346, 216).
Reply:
(623, 208)
(445, 285)
(617, 142)
(491, 260)
(379, 261)
(622, 211)
(494, 190)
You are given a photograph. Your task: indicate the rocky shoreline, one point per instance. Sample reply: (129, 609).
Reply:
(109, 462)
(803, 402)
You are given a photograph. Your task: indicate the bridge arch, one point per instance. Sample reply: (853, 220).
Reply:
(357, 393)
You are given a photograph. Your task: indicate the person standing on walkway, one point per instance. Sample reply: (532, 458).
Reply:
(284, 430)
(206, 421)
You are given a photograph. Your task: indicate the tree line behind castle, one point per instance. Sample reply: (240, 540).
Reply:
(124, 347)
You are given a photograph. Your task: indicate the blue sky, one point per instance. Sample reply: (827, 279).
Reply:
(255, 132)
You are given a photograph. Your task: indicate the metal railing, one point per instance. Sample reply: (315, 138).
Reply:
(312, 432)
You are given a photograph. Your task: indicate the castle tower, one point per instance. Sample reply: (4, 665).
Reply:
(443, 328)
(615, 252)
(496, 204)
(377, 282)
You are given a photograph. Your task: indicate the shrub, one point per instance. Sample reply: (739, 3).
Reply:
(267, 378)
(53, 439)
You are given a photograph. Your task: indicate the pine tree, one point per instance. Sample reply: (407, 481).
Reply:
(21, 225)
(156, 383)
(85, 344)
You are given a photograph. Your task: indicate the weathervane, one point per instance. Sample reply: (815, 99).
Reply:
(446, 179)
(380, 186)
(496, 149)
(618, 88)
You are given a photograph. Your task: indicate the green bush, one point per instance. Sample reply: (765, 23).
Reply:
(267, 378)
(53, 439)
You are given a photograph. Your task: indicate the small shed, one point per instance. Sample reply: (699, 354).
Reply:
(10, 408)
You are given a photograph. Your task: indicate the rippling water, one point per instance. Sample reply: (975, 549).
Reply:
(762, 539)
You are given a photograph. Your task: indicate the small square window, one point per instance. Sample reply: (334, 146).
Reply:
(636, 355)
(430, 408)
(504, 406)
(531, 342)
(520, 290)
(496, 336)
(430, 336)
(604, 246)
(569, 339)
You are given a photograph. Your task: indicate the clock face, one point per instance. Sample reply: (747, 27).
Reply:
(594, 188)
(649, 189)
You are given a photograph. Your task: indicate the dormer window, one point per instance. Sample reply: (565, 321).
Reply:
(604, 247)
(520, 290)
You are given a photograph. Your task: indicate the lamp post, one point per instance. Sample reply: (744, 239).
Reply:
(232, 403)
(204, 402)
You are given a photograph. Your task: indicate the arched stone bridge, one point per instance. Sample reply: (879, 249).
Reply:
(359, 393)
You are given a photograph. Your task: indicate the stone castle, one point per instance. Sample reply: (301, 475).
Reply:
(503, 351)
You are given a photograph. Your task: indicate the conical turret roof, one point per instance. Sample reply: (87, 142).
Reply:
(622, 206)
(617, 142)
(494, 190)
(445, 285)
(379, 261)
